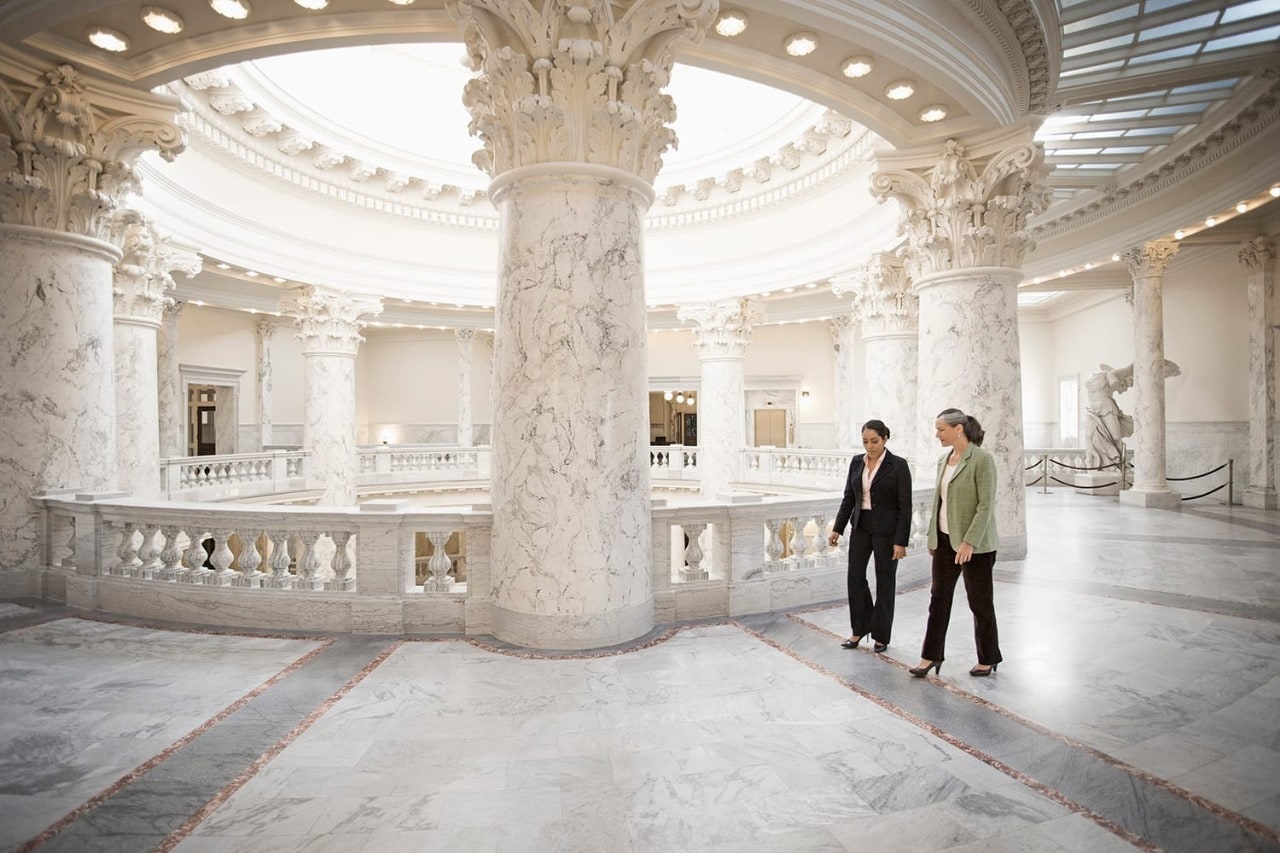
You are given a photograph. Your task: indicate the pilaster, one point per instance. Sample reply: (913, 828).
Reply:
(264, 338)
(844, 335)
(1259, 258)
(466, 339)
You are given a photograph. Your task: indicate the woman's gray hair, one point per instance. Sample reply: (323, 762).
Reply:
(972, 429)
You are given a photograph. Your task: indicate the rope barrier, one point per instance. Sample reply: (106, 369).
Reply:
(1211, 491)
(1038, 462)
(1197, 476)
(1035, 482)
(1074, 486)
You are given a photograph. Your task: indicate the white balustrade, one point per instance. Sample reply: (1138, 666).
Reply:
(241, 475)
(673, 462)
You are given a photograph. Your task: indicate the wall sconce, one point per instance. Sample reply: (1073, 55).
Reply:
(804, 392)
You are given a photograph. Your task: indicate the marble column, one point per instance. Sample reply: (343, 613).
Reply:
(466, 430)
(329, 325)
(844, 335)
(965, 216)
(265, 336)
(1150, 487)
(66, 158)
(1259, 257)
(568, 102)
(142, 279)
(170, 399)
(723, 330)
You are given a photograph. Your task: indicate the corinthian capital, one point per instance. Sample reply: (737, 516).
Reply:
(1259, 254)
(574, 80)
(968, 209)
(144, 274)
(723, 329)
(67, 152)
(1149, 259)
(882, 297)
(329, 322)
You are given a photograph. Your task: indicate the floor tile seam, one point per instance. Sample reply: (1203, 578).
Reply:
(1221, 811)
(151, 763)
(1115, 592)
(1251, 523)
(34, 620)
(225, 793)
(1051, 793)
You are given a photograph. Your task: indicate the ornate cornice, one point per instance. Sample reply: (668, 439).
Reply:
(329, 322)
(1025, 44)
(722, 329)
(959, 217)
(67, 158)
(578, 81)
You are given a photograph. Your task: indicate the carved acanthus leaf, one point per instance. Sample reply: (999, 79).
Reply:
(723, 329)
(144, 274)
(329, 321)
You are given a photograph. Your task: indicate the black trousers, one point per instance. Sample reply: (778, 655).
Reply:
(978, 589)
(867, 615)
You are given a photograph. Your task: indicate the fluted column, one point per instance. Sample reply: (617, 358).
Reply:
(844, 333)
(466, 337)
(965, 217)
(568, 102)
(1150, 487)
(170, 402)
(142, 279)
(67, 149)
(723, 330)
(1259, 257)
(329, 325)
(263, 339)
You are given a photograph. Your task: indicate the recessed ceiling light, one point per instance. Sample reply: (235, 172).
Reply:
(899, 91)
(1179, 234)
(1242, 207)
(162, 20)
(108, 39)
(732, 23)
(313, 5)
(279, 280)
(403, 2)
(801, 44)
(236, 10)
(224, 266)
(1211, 221)
(1116, 256)
(857, 66)
(934, 112)
(810, 286)
(1275, 191)
(788, 290)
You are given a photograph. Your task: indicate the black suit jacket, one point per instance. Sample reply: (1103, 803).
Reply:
(890, 498)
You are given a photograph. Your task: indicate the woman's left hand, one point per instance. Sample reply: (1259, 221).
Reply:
(899, 551)
(964, 553)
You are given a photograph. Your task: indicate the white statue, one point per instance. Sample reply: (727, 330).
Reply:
(1108, 425)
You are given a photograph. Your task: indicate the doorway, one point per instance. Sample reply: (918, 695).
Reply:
(771, 427)
(202, 420)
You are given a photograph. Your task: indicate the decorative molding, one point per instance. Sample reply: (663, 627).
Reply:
(576, 81)
(960, 218)
(883, 301)
(1258, 255)
(329, 323)
(144, 275)
(1149, 259)
(723, 329)
(1025, 44)
(67, 156)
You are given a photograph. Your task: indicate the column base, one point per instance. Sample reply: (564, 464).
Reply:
(1155, 500)
(1260, 498)
(1097, 483)
(573, 630)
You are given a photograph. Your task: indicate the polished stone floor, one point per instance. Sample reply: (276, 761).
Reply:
(1138, 707)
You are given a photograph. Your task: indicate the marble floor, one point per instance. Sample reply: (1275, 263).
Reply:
(1138, 706)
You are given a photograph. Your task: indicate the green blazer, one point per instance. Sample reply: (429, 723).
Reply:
(971, 497)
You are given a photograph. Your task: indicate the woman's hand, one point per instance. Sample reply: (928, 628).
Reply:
(964, 553)
(899, 551)
(833, 539)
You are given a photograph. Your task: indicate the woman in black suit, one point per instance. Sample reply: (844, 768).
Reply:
(877, 495)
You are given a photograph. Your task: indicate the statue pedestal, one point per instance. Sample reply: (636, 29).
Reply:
(1095, 483)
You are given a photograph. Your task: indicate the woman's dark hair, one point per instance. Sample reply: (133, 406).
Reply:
(878, 428)
(972, 429)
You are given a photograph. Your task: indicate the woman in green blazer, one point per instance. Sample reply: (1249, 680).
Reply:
(962, 541)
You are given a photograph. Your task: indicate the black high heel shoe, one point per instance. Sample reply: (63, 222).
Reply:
(851, 643)
(922, 671)
(880, 647)
(983, 673)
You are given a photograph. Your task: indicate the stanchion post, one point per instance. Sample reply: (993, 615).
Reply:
(1231, 482)
(1044, 473)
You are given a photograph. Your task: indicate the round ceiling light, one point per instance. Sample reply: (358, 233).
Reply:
(313, 5)
(900, 91)
(801, 44)
(933, 112)
(732, 23)
(857, 66)
(236, 10)
(162, 20)
(108, 39)
(403, 2)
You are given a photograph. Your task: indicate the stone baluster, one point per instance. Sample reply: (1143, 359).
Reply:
(170, 554)
(308, 563)
(965, 216)
(329, 325)
(67, 157)
(341, 582)
(888, 314)
(149, 552)
(142, 279)
(466, 431)
(439, 563)
(221, 558)
(194, 559)
(723, 331)
(844, 334)
(249, 561)
(693, 570)
(280, 576)
(1259, 257)
(773, 546)
(568, 102)
(799, 545)
(1150, 484)
(127, 550)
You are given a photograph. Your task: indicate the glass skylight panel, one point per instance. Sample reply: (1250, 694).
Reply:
(1205, 87)
(1100, 134)
(1122, 14)
(1243, 39)
(1124, 115)
(1249, 10)
(1180, 109)
(1160, 56)
(1160, 5)
(1127, 149)
(1094, 47)
(1153, 131)
(1093, 69)
(1186, 25)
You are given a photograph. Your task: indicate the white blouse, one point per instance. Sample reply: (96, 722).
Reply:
(946, 482)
